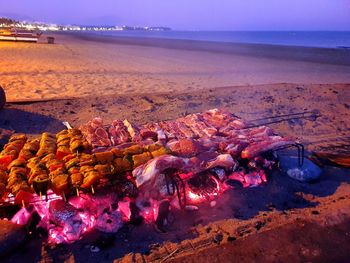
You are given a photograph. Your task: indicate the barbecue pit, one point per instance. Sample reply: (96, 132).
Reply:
(145, 174)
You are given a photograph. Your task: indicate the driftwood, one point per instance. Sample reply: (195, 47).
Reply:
(340, 159)
(2, 98)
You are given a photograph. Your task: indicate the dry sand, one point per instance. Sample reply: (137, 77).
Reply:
(81, 65)
(284, 220)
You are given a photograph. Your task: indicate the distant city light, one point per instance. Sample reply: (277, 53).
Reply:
(55, 27)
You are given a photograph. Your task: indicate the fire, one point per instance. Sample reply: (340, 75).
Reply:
(67, 222)
(194, 198)
(124, 208)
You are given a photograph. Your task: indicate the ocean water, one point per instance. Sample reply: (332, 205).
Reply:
(327, 39)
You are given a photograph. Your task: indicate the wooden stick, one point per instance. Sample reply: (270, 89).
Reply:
(77, 190)
(41, 196)
(92, 189)
(64, 197)
(23, 204)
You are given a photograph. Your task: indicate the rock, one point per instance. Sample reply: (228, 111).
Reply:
(2, 98)
(191, 208)
(307, 173)
(95, 249)
(11, 236)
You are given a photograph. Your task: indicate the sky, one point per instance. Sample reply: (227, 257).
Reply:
(188, 14)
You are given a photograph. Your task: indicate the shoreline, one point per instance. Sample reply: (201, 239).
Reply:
(335, 56)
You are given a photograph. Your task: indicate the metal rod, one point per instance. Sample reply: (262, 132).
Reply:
(287, 115)
(300, 149)
(301, 116)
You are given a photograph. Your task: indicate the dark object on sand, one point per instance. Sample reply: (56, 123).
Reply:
(333, 159)
(163, 212)
(2, 98)
(11, 236)
(50, 40)
(308, 172)
(19, 34)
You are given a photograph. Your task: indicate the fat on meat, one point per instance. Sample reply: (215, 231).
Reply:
(133, 130)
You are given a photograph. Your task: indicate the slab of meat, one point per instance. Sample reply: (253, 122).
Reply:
(235, 148)
(169, 132)
(173, 127)
(154, 127)
(188, 133)
(251, 135)
(224, 161)
(231, 123)
(118, 133)
(185, 147)
(148, 172)
(148, 134)
(218, 118)
(208, 160)
(95, 134)
(273, 143)
(210, 144)
(198, 126)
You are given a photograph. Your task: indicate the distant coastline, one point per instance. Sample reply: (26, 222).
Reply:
(322, 39)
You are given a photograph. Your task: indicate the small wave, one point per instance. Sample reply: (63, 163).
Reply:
(344, 47)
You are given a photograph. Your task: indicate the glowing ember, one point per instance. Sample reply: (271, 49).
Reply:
(67, 222)
(148, 209)
(22, 216)
(124, 208)
(195, 198)
(251, 179)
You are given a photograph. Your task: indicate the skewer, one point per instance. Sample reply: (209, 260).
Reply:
(67, 124)
(41, 196)
(281, 118)
(77, 190)
(23, 204)
(298, 114)
(92, 189)
(64, 197)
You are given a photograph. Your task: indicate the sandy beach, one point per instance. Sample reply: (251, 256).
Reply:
(81, 77)
(80, 64)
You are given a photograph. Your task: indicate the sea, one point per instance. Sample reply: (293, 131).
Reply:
(324, 39)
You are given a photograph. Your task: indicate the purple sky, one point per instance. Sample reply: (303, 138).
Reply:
(189, 14)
